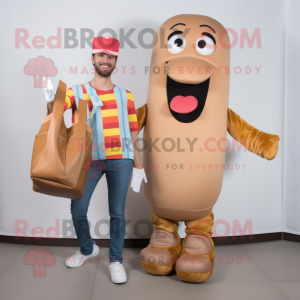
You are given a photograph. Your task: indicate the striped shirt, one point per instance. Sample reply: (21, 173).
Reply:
(110, 119)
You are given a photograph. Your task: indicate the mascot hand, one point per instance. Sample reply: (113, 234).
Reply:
(48, 91)
(268, 145)
(137, 177)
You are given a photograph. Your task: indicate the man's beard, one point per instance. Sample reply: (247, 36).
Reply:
(101, 73)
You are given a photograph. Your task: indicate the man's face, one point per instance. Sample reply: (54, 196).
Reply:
(104, 64)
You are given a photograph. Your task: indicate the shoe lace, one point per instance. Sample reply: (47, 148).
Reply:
(117, 267)
(78, 254)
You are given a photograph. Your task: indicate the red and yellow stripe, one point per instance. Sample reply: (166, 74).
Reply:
(110, 119)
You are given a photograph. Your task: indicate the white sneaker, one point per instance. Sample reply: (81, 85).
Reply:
(117, 272)
(78, 258)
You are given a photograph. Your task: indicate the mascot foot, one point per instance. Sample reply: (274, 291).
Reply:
(196, 260)
(160, 256)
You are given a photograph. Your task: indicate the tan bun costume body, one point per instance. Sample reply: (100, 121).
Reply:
(188, 100)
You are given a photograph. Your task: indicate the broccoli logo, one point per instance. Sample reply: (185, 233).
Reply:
(39, 258)
(40, 68)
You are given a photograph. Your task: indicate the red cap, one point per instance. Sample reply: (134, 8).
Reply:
(106, 44)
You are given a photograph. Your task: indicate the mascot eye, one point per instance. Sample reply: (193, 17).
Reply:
(176, 44)
(205, 45)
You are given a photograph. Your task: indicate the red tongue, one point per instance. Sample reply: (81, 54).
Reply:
(183, 105)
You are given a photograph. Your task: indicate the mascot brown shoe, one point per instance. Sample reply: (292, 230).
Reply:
(196, 262)
(159, 257)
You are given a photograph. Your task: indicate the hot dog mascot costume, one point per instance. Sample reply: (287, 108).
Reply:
(187, 100)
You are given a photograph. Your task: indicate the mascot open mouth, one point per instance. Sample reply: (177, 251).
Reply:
(186, 101)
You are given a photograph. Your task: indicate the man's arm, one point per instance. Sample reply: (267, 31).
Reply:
(69, 102)
(136, 146)
(134, 129)
(50, 106)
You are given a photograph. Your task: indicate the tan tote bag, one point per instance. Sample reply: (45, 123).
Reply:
(61, 156)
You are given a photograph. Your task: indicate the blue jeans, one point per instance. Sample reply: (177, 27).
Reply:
(118, 173)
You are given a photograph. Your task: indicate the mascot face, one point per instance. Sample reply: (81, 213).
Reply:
(190, 50)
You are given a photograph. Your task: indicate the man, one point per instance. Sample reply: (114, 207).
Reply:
(113, 119)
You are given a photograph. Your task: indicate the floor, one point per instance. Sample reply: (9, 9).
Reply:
(269, 270)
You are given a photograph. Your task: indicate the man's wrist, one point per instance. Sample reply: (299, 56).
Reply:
(50, 106)
(138, 167)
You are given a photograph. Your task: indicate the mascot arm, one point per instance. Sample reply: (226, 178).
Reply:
(141, 114)
(261, 143)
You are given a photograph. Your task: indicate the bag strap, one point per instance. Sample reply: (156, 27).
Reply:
(82, 107)
(59, 103)
(58, 109)
(82, 111)
(78, 92)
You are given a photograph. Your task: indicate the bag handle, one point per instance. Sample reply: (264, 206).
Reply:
(59, 104)
(82, 118)
(58, 110)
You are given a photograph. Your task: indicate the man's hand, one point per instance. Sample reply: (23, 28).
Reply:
(48, 91)
(137, 177)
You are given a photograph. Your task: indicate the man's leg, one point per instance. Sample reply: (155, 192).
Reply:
(79, 209)
(118, 173)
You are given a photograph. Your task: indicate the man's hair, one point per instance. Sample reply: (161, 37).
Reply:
(94, 56)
